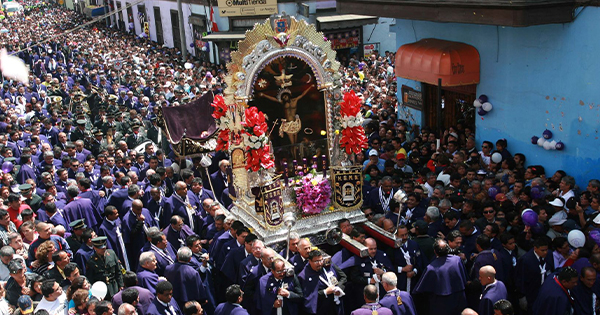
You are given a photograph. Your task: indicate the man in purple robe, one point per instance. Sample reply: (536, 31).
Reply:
(147, 278)
(368, 271)
(493, 290)
(111, 227)
(135, 222)
(237, 242)
(250, 261)
(234, 297)
(444, 281)
(554, 297)
(27, 169)
(189, 284)
(164, 304)
(177, 232)
(231, 265)
(408, 260)
(145, 297)
(85, 185)
(86, 250)
(80, 208)
(300, 261)
(277, 290)
(322, 286)
(163, 251)
(584, 293)
(371, 307)
(531, 272)
(251, 282)
(400, 302)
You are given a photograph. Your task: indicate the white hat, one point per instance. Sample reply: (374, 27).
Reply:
(558, 218)
(373, 152)
(557, 202)
(453, 134)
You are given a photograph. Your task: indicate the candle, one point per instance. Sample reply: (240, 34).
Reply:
(324, 161)
(305, 165)
(295, 170)
(285, 173)
(314, 164)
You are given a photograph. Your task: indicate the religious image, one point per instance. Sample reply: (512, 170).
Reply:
(286, 91)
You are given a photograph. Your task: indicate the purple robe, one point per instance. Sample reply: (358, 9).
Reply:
(82, 256)
(25, 172)
(267, 294)
(315, 301)
(145, 299)
(189, 285)
(583, 297)
(177, 239)
(552, 299)
(245, 266)
(491, 294)
(484, 258)
(148, 279)
(528, 277)
(156, 308)
(110, 231)
(134, 236)
(230, 309)
(444, 282)
(81, 208)
(390, 300)
(416, 260)
(343, 259)
(369, 308)
(231, 266)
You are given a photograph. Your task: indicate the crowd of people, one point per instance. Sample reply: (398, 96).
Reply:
(92, 193)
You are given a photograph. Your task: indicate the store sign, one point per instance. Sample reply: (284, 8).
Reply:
(369, 49)
(412, 98)
(343, 40)
(247, 7)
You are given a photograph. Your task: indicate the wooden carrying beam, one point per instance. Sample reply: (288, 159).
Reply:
(354, 247)
(380, 234)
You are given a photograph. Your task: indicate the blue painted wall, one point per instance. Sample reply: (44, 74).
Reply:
(537, 78)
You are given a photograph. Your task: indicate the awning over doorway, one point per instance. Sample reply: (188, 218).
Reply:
(429, 59)
(335, 22)
(221, 37)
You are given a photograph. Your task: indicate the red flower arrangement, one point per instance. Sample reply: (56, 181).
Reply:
(258, 152)
(223, 122)
(353, 138)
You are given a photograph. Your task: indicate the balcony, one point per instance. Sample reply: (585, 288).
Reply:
(518, 13)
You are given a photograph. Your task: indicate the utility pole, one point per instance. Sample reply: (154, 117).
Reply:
(182, 32)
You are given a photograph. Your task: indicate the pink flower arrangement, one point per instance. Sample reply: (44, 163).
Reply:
(313, 194)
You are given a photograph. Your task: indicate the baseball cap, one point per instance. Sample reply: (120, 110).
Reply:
(373, 153)
(25, 304)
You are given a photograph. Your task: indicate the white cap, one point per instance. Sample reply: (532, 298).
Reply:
(557, 202)
(373, 152)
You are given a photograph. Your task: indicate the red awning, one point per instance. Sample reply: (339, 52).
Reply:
(429, 59)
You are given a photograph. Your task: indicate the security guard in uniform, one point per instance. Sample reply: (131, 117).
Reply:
(104, 266)
(75, 240)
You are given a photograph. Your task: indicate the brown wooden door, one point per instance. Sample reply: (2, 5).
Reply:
(458, 106)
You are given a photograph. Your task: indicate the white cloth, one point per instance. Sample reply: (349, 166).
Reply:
(56, 307)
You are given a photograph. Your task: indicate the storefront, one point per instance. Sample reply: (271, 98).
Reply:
(225, 43)
(345, 33)
(446, 75)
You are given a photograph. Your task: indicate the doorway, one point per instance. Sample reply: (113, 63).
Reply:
(175, 28)
(457, 106)
(158, 25)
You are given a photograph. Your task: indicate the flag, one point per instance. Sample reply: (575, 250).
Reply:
(214, 26)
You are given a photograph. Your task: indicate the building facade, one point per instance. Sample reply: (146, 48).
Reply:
(537, 74)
